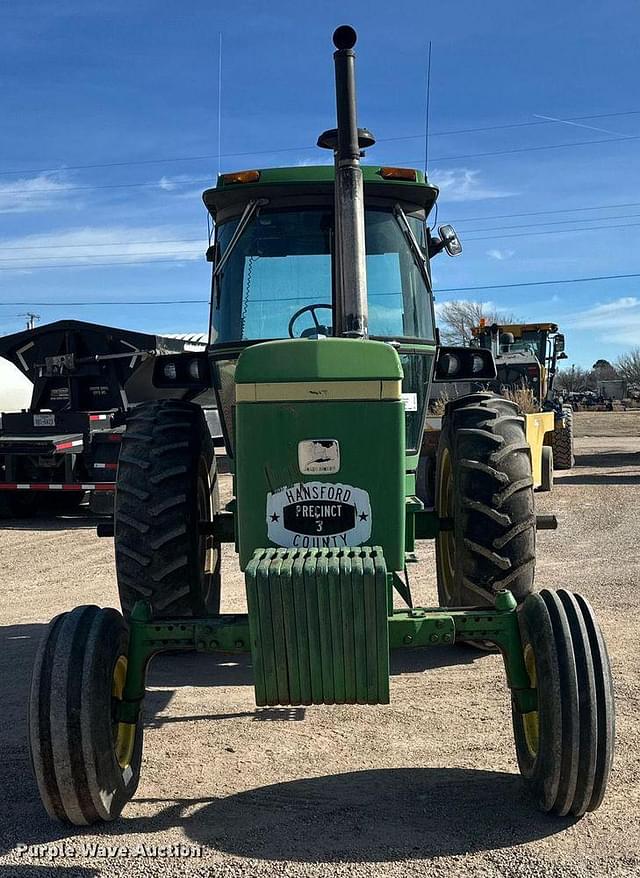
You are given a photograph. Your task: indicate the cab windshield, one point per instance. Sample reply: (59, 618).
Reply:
(283, 261)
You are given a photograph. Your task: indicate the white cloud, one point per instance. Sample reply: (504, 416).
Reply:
(614, 321)
(91, 245)
(177, 184)
(464, 184)
(500, 255)
(32, 194)
(166, 184)
(310, 161)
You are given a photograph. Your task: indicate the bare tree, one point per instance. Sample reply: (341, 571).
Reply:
(458, 317)
(575, 379)
(604, 371)
(628, 366)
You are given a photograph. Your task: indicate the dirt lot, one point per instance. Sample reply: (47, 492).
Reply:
(425, 786)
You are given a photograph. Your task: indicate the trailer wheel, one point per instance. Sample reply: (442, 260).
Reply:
(166, 485)
(565, 747)
(562, 441)
(484, 489)
(86, 764)
(546, 483)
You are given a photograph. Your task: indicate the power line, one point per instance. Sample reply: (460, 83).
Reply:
(535, 283)
(173, 183)
(457, 220)
(209, 156)
(183, 256)
(538, 283)
(89, 258)
(473, 219)
(91, 264)
(476, 155)
(130, 302)
(529, 124)
(500, 237)
(594, 219)
(106, 244)
(413, 162)
(63, 188)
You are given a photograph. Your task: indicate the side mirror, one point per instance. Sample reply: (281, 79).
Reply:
(562, 356)
(450, 240)
(464, 364)
(559, 342)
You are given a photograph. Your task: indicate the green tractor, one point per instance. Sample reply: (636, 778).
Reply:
(323, 347)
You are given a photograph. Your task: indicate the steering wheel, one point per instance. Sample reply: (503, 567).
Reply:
(312, 310)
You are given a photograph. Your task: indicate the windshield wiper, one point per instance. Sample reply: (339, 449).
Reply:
(247, 215)
(418, 256)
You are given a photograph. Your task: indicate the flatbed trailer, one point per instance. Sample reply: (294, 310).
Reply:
(85, 379)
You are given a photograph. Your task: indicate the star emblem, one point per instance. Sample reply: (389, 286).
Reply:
(363, 516)
(275, 517)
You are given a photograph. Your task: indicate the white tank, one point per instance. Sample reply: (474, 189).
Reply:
(15, 388)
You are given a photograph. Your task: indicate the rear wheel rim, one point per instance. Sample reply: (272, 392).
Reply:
(205, 541)
(446, 538)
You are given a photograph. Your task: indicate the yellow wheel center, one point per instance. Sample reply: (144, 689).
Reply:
(124, 734)
(531, 720)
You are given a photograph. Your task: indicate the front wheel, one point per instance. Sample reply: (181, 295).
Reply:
(565, 746)
(86, 763)
(484, 494)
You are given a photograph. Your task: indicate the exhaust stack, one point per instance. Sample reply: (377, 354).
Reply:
(351, 309)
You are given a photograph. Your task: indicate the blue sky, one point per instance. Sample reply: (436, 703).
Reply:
(132, 85)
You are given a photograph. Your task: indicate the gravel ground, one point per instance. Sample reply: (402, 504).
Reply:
(425, 786)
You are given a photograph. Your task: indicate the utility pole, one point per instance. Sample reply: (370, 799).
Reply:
(31, 319)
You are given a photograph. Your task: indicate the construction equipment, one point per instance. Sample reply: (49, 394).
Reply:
(66, 442)
(526, 356)
(323, 348)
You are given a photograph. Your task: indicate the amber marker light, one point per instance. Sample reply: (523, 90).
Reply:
(241, 177)
(398, 174)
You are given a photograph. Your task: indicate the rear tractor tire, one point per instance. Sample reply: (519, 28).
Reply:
(562, 441)
(565, 747)
(166, 485)
(484, 489)
(86, 764)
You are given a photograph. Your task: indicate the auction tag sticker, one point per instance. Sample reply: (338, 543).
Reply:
(410, 402)
(318, 456)
(318, 515)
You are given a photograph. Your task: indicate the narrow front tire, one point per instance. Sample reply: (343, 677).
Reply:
(86, 763)
(565, 746)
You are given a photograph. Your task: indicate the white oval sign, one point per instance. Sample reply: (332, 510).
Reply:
(318, 515)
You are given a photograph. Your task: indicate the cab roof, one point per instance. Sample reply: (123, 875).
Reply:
(516, 329)
(315, 180)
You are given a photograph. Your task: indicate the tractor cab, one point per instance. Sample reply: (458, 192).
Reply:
(526, 355)
(275, 268)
